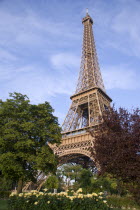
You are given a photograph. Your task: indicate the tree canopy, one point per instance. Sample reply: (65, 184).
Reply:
(117, 145)
(52, 182)
(25, 131)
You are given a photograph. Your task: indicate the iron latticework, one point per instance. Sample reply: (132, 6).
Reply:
(90, 98)
(90, 75)
(88, 104)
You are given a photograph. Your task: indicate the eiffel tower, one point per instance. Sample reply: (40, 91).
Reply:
(88, 104)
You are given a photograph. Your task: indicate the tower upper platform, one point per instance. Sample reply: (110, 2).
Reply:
(87, 18)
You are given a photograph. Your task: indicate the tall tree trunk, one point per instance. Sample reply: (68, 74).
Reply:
(20, 185)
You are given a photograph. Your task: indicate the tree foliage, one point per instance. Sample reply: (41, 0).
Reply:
(74, 176)
(25, 131)
(85, 179)
(72, 171)
(117, 145)
(52, 182)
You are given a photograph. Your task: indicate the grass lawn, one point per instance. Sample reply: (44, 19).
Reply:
(3, 205)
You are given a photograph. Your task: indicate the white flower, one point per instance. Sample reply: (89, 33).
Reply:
(48, 202)
(36, 203)
(104, 201)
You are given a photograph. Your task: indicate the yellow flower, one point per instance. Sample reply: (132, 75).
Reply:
(104, 201)
(80, 196)
(45, 189)
(48, 202)
(27, 194)
(12, 194)
(89, 195)
(36, 203)
(101, 193)
(33, 191)
(62, 193)
(20, 195)
(79, 190)
(100, 197)
(94, 194)
(41, 193)
(71, 197)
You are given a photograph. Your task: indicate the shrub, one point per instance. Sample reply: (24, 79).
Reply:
(60, 201)
(4, 194)
(126, 202)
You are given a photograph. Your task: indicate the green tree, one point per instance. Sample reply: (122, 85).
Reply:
(85, 179)
(104, 183)
(70, 173)
(25, 131)
(6, 184)
(52, 182)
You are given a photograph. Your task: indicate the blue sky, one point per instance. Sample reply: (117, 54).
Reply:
(41, 44)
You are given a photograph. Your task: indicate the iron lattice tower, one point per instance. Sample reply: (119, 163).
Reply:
(88, 104)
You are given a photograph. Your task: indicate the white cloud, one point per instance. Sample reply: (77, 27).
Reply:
(30, 29)
(120, 77)
(127, 28)
(37, 83)
(6, 56)
(9, 72)
(62, 60)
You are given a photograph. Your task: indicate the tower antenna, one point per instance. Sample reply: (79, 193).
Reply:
(87, 11)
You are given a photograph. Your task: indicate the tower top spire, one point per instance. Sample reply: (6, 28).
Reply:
(87, 18)
(86, 11)
(90, 75)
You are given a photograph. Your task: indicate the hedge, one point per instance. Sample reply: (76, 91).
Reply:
(59, 201)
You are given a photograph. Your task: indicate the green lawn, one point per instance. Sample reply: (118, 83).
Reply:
(3, 205)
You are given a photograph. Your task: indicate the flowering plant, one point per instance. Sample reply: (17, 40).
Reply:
(56, 201)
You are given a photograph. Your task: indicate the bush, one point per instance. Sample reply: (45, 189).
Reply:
(60, 201)
(4, 194)
(126, 202)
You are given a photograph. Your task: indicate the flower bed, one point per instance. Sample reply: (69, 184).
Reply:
(63, 200)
